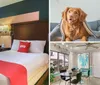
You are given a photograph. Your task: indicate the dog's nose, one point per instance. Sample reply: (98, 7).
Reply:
(70, 19)
(71, 16)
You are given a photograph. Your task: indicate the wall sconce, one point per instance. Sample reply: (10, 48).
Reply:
(5, 30)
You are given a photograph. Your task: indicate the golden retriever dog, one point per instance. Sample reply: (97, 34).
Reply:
(72, 24)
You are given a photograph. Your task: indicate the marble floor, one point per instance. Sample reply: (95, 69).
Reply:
(89, 81)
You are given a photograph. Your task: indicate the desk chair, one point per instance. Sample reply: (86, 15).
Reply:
(64, 77)
(78, 79)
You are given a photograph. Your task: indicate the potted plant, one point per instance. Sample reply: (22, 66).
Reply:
(52, 74)
(52, 77)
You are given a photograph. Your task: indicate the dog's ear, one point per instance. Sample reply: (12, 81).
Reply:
(82, 15)
(64, 13)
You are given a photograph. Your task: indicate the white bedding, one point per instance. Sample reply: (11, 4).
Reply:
(31, 61)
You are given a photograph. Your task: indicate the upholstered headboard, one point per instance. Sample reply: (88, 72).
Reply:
(37, 30)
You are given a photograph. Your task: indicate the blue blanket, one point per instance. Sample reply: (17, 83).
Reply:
(57, 32)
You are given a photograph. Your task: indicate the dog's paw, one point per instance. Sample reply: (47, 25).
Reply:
(84, 38)
(67, 39)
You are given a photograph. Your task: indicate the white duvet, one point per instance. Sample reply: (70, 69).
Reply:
(31, 61)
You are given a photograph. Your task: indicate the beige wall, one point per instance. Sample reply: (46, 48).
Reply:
(27, 17)
(6, 40)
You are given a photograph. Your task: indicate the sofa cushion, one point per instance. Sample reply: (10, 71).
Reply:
(98, 22)
(93, 25)
(98, 28)
(53, 25)
(55, 31)
(90, 38)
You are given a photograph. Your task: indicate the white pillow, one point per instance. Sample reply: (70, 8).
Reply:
(37, 46)
(15, 44)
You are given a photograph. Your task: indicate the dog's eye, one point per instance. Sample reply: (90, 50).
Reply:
(75, 12)
(69, 11)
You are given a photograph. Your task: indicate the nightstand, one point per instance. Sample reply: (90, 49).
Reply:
(4, 49)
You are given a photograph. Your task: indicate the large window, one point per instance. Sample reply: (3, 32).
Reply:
(59, 60)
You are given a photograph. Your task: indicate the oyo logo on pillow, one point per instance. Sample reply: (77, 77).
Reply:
(22, 46)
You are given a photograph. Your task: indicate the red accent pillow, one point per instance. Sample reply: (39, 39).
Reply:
(24, 47)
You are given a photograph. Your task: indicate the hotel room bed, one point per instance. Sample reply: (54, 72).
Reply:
(33, 62)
